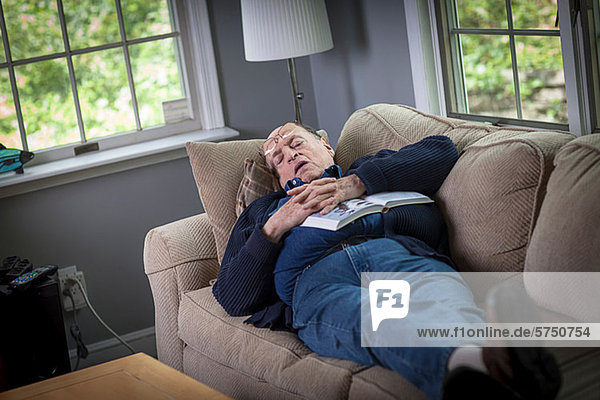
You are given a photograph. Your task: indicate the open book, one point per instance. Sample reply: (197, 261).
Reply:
(351, 210)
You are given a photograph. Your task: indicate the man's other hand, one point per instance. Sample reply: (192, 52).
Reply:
(320, 195)
(325, 194)
(295, 210)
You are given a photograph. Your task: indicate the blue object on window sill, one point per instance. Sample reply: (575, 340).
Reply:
(13, 159)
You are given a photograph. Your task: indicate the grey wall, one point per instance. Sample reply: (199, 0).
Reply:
(368, 64)
(99, 224)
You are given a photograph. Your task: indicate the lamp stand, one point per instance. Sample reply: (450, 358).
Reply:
(297, 96)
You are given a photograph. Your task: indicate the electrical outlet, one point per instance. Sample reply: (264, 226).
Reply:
(64, 275)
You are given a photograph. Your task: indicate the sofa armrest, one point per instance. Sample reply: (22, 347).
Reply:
(178, 257)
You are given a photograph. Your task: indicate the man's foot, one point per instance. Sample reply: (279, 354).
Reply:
(521, 373)
(465, 383)
(515, 373)
(531, 372)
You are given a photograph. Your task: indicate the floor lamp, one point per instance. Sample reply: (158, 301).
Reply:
(285, 29)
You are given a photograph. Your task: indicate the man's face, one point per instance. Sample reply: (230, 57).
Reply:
(294, 152)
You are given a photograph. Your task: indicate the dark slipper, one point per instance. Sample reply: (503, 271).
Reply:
(515, 373)
(465, 383)
(532, 372)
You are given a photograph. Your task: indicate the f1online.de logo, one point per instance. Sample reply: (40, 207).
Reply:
(389, 299)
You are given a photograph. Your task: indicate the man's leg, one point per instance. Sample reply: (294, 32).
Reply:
(327, 310)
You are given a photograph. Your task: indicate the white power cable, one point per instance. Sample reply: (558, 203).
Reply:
(98, 317)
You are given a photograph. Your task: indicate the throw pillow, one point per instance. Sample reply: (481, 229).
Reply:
(258, 181)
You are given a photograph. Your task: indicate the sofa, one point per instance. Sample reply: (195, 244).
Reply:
(517, 200)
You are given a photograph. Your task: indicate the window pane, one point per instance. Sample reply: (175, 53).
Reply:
(488, 75)
(104, 93)
(91, 23)
(541, 78)
(47, 104)
(156, 77)
(33, 27)
(534, 14)
(481, 13)
(145, 18)
(9, 127)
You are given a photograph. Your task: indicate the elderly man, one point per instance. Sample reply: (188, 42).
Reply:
(308, 279)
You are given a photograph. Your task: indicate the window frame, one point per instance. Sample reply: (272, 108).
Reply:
(192, 36)
(426, 27)
(589, 79)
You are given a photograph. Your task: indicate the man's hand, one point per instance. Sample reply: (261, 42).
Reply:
(320, 195)
(326, 196)
(296, 209)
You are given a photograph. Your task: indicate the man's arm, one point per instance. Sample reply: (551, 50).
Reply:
(245, 282)
(420, 167)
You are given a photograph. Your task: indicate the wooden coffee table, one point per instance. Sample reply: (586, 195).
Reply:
(138, 376)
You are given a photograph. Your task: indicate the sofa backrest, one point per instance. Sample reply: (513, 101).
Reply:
(492, 196)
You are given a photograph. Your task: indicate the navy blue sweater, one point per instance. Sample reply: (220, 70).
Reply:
(245, 282)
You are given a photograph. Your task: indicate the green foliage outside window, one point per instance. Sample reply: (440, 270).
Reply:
(44, 87)
(488, 67)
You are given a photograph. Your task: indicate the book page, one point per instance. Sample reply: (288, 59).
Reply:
(346, 209)
(353, 209)
(397, 197)
(343, 214)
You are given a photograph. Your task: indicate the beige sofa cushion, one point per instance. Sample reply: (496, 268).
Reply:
(382, 384)
(385, 126)
(279, 358)
(567, 236)
(492, 196)
(218, 169)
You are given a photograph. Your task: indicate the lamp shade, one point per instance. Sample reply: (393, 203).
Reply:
(280, 29)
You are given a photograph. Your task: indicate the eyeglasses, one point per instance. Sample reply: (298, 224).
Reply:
(272, 142)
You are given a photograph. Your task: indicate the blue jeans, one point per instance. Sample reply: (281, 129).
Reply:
(327, 309)
(304, 245)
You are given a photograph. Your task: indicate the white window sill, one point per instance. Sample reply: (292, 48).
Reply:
(105, 162)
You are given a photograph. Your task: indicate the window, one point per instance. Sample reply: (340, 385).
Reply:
(507, 62)
(108, 71)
